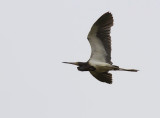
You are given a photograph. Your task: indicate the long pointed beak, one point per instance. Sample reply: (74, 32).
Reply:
(74, 63)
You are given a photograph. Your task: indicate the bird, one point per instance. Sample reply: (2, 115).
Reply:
(99, 63)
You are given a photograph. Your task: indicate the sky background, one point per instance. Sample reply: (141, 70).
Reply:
(37, 35)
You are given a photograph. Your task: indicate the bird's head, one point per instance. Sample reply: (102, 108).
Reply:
(76, 63)
(82, 66)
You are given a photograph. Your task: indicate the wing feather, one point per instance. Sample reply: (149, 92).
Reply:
(103, 77)
(100, 40)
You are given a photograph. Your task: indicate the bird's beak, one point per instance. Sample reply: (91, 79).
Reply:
(74, 63)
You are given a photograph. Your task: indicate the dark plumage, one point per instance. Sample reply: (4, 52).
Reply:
(103, 77)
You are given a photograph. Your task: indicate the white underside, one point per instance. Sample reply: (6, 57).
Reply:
(101, 66)
(98, 52)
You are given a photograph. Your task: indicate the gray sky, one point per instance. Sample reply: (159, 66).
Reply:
(37, 35)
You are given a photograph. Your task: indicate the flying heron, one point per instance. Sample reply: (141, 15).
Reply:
(100, 63)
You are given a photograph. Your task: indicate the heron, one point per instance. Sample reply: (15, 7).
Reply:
(100, 62)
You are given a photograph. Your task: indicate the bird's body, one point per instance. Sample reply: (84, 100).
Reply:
(101, 66)
(100, 63)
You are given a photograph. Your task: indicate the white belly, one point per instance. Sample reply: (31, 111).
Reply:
(101, 66)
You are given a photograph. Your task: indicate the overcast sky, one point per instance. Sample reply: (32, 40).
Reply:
(37, 35)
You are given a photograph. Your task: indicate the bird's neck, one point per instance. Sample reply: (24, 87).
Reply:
(85, 67)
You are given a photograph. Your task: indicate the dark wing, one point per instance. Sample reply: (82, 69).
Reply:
(100, 40)
(103, 77)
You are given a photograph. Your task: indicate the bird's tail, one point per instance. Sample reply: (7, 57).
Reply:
(122, 69)
(131, 70)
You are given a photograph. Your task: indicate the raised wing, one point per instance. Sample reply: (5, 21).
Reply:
(100, 40)
(103, 77)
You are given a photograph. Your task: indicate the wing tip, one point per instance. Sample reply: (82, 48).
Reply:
(105, 19)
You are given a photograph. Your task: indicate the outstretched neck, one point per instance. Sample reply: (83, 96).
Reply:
(84, 66)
